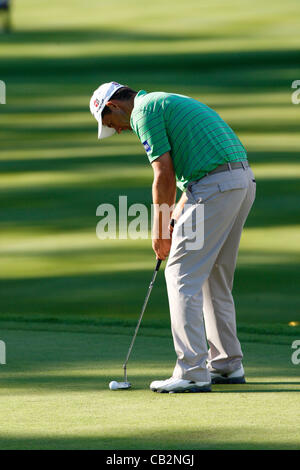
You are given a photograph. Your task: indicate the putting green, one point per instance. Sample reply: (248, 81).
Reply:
(54, 395)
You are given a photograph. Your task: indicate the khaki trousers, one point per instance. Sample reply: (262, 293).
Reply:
(199, 281)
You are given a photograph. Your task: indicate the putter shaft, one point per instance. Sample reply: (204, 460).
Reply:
(140, 318)
(172, 223)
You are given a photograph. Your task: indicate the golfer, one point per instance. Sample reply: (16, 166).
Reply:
(189, 145)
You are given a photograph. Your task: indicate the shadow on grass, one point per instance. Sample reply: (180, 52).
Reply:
(206, 438)
(60, 110)
(72, 205)
(234, 70)
(131, 61)
(88, 129)
(119, 157)
(81, 35)
(120, 294)
(91, 383)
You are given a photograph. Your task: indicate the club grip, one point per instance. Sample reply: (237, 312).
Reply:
(172, 223)
(158, 264)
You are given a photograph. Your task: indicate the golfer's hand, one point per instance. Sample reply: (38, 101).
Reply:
(171, 226)
(161, 247)
(178, 211)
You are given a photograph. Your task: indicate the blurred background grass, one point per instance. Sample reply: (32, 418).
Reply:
(238, 57)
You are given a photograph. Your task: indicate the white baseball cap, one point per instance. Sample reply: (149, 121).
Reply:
(97, 103)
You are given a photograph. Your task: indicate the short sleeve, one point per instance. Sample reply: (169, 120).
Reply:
(150, 128)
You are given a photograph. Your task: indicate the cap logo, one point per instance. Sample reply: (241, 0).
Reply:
(98, 104)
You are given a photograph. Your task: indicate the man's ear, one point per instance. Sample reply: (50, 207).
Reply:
(112, 104)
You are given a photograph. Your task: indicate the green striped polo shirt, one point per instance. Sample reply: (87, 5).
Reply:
(196, 136)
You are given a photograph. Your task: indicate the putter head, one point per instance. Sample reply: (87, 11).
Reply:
(124, 385)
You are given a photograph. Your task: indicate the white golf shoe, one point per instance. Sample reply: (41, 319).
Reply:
(173, 385)
(236, 377)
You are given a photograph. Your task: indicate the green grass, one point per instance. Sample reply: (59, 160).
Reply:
(54, 395)
(66, 296)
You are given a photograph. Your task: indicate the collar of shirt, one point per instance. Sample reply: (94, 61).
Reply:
(140, 95)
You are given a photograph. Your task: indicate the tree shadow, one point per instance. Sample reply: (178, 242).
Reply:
(241, 71)
(205, 438)
(86, 382)
(72, 205)
(119, 295)
(82, 35)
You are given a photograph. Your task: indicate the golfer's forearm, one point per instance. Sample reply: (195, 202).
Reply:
(164, 190)
(164, 196)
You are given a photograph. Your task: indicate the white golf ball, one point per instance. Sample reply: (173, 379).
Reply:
(113, 385)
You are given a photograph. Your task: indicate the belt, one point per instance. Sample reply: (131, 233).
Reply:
(229, 166)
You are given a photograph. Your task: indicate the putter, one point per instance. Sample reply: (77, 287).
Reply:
(125, 385)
